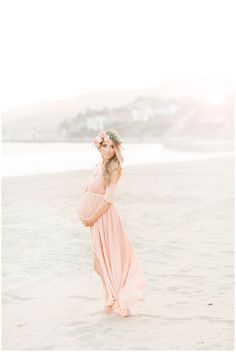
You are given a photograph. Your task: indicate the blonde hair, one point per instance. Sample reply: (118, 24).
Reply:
(112, 168)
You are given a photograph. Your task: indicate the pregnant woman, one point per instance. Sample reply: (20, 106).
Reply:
(114, 258)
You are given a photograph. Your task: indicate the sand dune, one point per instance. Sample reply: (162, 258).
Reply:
(180, 219)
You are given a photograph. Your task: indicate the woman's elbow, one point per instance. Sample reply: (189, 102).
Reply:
(107, 202)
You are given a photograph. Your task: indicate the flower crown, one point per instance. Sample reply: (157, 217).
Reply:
(105, 136)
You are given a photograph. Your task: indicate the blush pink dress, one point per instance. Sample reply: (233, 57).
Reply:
(114, 258)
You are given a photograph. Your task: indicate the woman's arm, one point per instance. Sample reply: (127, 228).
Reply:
(105, 203)
(103, 207)
(108, 197)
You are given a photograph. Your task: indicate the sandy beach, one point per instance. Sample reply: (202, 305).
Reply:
(180, 219)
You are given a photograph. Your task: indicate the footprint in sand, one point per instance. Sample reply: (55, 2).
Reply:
(19, 298)
(76, 323)
(77, 331)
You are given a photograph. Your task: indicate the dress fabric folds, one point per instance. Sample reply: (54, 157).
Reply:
(114, 258)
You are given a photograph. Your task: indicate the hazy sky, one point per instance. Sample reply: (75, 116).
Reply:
(61, 49)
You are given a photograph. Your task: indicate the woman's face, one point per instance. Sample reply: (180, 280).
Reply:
(107, 150)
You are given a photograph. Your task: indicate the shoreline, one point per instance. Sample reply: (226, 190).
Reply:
(227, 154)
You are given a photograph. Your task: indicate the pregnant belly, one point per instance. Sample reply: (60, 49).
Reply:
(88, 204)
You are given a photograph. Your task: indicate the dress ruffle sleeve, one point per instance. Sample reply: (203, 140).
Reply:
(110, 193)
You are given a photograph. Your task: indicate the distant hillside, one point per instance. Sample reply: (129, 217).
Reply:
(174, 108)
(47, 115)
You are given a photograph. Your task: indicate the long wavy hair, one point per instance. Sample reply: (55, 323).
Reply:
(115, 163)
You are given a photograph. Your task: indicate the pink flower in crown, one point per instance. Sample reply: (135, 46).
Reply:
(102, 134)
(98, 139)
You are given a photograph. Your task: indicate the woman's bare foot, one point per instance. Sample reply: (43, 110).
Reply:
(108, 310)
(126, 313)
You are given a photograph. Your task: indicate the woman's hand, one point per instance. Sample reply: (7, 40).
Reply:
(88, 221)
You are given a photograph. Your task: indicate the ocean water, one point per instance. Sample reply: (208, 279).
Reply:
(20, 159)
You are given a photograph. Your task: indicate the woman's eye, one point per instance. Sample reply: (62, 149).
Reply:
(104, 145)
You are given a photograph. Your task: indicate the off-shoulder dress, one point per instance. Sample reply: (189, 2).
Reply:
(114, 258)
